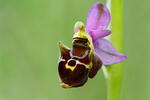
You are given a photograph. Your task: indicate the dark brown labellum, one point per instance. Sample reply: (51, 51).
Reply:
(74, 78)
(74, 65)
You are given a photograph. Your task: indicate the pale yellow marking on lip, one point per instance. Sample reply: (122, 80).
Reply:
(77, 62)
(70, 67)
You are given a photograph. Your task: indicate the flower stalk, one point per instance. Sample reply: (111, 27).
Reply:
(113, 73)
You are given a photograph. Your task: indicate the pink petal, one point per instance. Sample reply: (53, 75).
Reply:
(98, 17)
(99, 34)
(107, 53)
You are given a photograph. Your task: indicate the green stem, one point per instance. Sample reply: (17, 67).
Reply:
(113, 73)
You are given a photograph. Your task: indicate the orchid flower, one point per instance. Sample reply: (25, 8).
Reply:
(89, 49)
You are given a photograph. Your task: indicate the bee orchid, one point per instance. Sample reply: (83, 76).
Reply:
(89, 49)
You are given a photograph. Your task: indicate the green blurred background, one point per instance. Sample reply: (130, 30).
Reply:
(29, 32)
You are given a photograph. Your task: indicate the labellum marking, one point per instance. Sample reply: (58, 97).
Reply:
(71, 64)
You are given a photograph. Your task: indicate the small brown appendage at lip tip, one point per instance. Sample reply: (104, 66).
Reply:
(63, 85)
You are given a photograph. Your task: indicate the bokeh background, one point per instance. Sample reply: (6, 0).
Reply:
(29, 32)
